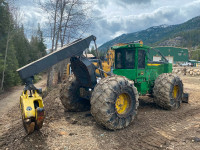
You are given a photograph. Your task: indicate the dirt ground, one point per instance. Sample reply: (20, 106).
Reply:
(154, 127)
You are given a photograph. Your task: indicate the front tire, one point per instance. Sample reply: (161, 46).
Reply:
(168, 91)
(114, 102)
(70, 96)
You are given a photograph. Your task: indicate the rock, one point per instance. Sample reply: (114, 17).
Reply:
(196, 139)
(191, 72)
(70, 134)
(173, 129)
(196, 70)
(63, 133)
(65, 148)
(74, 121)
(68, 117)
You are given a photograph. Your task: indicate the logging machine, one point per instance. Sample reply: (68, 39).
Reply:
(114, 98)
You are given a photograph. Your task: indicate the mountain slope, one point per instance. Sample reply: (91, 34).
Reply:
(158, 34)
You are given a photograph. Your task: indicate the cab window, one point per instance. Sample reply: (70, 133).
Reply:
(118, 64)
(130, 59)
(125, 59)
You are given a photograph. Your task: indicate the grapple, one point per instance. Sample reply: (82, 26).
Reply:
(32, 110)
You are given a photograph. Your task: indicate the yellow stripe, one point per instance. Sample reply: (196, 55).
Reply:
(153, 64)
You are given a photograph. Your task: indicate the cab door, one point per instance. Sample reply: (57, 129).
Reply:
(141, 64)
(141, 71)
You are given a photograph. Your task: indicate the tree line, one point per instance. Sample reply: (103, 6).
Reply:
(192, 41)
(15, 48)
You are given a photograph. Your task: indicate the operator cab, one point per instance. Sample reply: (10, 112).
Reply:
(135, 56)
(130, 56)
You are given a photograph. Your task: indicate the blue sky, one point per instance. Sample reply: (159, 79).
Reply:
(115, 17)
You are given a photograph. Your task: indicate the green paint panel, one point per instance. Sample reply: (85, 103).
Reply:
(129, 73)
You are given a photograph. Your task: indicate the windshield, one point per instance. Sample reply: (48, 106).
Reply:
(125, 59)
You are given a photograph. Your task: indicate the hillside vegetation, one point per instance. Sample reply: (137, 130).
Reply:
(181, 35)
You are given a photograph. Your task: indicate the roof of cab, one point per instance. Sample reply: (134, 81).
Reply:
(115, 47)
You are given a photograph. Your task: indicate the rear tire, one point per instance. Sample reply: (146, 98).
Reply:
(168, 91)
(70, 96)
(114, 102)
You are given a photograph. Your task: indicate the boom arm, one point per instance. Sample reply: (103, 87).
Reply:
(75, 48)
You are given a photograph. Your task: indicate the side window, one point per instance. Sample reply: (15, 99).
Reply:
(130, 59)
(118, 64)
(141, 59)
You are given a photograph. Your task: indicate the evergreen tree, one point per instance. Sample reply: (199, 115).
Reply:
(22, 47)
(41, 46)
(8, 62)
(15, 49)
(11, 76)
(38, 49)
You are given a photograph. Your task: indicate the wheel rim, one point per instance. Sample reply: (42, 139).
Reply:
(122, 103)
(175, 91)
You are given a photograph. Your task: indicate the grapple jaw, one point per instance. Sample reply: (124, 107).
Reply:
(32, 111)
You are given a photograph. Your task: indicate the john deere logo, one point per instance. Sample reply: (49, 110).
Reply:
(29, 108)
(142, 73)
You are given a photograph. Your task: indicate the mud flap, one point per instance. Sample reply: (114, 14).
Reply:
(185, 97)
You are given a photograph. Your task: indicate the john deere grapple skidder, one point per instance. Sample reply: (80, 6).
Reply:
(113, 99)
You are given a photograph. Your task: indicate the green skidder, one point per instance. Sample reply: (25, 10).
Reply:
(114, 100)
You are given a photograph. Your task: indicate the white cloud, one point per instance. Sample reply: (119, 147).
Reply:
(133, 18)
(115, 17)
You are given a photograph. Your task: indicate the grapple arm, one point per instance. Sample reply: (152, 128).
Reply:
(75, 48)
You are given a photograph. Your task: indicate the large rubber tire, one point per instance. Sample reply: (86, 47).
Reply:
(103, 102)
(70, 96)
(163, 91)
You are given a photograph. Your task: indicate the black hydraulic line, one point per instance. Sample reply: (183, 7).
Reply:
(99, 63)
(75, 48)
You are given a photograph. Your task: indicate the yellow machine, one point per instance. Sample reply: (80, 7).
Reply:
(106, 64)
(32, 110)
